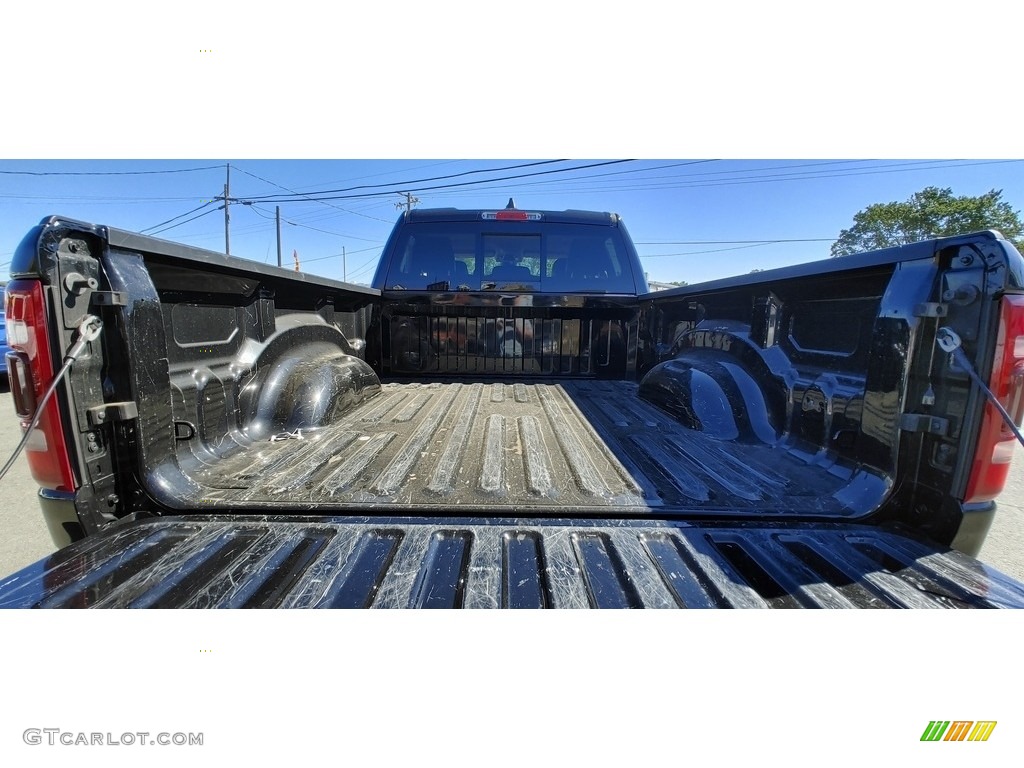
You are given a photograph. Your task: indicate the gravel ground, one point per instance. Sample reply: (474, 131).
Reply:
(25, 538)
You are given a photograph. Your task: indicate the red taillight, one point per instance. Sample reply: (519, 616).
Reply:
(995, 439)
(31, 370)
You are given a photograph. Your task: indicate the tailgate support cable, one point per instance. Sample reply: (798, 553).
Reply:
(89, 330)
(949, 341)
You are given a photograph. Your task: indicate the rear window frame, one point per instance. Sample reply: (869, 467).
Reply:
(621, 258)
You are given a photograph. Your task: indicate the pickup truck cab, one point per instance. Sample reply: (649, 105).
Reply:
(507, 417)
(505, 292)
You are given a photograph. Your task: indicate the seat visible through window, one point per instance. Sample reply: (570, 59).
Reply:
(508, 273)
(588, 260)
(432, 261)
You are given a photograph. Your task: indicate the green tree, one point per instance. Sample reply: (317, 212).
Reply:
(932, 212)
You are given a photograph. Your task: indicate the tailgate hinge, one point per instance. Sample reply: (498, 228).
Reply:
(919, 422)
(931, 309)
(110, 412)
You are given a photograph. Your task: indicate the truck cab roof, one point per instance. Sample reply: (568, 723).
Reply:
(570, 216)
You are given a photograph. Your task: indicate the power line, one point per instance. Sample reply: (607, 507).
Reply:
(218, 234)
(755, 179)
(481, 181)
(186, 221)
(320, 214)
(809, 176)
(257, 210)
(440, 186)
(389, 173)
(328, 232)
(107, 173)
(303, 194)
(336, 255)
(737, 245)
(97, 199)
(852, 172)
(713, 250)
(830, 173)
(364, 268)
(702, 173)
(633, 171)
(311, 195)
(725, 242)
(186, 213)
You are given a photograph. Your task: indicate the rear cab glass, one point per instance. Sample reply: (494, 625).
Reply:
(533, 257)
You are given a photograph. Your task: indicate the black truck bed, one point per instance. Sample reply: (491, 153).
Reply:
(205, 562)
(244, 435)
(571, 447)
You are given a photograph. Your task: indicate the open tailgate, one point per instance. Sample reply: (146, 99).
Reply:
(208, 561)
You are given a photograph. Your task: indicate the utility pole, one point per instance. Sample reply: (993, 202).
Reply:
(279, 235)
(227, 216)
(410, 201)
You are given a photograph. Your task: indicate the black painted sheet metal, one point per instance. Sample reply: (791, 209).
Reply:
(514, 563)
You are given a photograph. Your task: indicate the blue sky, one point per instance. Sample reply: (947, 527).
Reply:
(689, 217)
(225, 81)
(766, 86)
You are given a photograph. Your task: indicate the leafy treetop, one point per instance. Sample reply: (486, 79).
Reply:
(932, 212)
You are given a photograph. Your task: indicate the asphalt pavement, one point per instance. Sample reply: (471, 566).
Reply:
(24, 538)
(1004, 546)
(23, 535)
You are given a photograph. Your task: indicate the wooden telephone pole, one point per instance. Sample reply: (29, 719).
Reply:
(227, 216)
(410, 201)
(278, 235)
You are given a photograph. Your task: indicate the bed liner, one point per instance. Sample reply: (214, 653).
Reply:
(571, 446)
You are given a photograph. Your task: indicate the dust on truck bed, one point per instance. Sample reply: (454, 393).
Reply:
(571, 446)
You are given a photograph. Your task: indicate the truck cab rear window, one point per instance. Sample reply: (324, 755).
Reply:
(489, 256)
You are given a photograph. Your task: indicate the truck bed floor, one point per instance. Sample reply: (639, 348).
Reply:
(571, 446)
